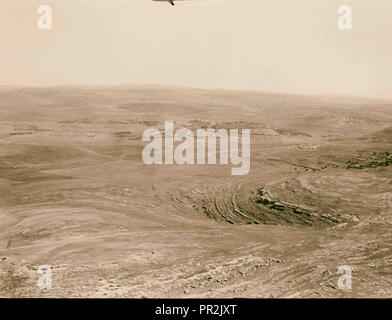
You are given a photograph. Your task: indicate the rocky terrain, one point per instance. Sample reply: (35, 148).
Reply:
(75, 195)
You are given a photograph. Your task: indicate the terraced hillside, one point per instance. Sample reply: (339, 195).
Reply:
(75, 195)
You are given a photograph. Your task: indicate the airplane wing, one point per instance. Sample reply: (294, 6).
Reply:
(172, 1)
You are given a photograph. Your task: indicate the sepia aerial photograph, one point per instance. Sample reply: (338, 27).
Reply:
(163, 149)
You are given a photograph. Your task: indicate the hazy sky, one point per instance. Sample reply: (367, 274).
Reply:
(273, 45)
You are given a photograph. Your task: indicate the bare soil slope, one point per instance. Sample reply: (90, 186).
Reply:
(75, 195)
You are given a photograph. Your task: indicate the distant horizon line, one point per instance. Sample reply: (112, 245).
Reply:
(288, 93)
